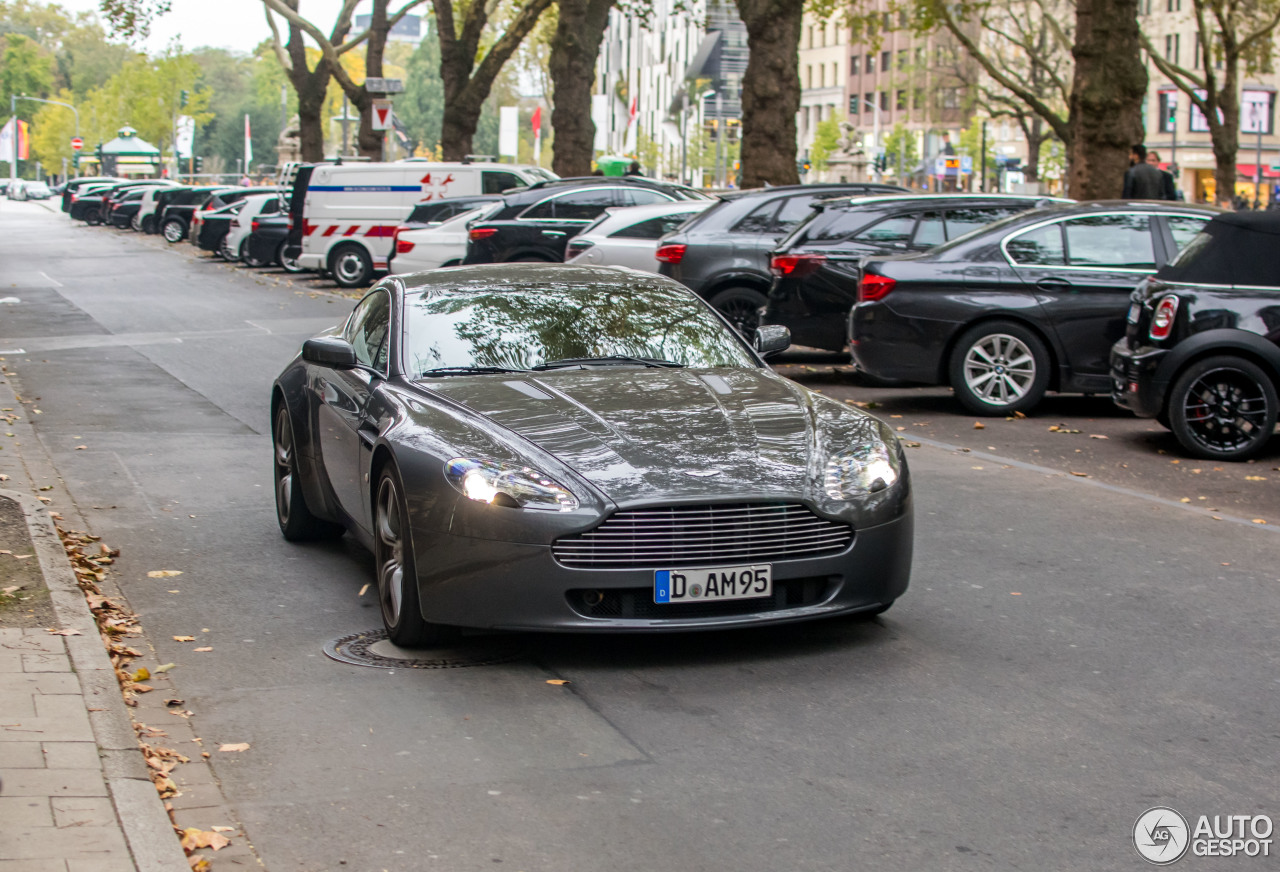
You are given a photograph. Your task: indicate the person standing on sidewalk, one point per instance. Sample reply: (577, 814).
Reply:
(1170, 184)
(1142, 181)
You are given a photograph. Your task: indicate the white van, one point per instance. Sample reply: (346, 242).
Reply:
(350, 211)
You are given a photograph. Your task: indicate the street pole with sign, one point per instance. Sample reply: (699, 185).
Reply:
(1173, 137)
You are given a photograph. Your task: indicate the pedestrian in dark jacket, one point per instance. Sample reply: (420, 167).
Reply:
(1142, 181)
(1170, 184)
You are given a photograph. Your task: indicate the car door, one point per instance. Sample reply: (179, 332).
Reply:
(1086, 297)
(550, 223)
(343, 397)
(756, 235)
(635, 244)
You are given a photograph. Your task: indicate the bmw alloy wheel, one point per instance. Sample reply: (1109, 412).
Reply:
(999, 369)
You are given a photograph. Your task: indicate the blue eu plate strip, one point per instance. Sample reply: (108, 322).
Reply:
(662, 586)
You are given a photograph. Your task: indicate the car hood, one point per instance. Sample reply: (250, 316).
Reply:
(672, 434)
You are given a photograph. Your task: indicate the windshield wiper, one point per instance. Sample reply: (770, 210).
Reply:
(612, 359)
(468, 370)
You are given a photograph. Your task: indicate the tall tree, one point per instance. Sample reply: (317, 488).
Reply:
(1106, 97)
(575, 45)
(467, 82)
(770, 91)
(131, 19)
(1235, 35)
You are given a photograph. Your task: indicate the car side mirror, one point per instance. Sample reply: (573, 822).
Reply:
(329, 351)
(772, 339)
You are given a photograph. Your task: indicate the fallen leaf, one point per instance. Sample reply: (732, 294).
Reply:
(141, 675)
(1019, 415)
(184, 638)
(1255, 478)
(912, 444)
(900, 429)
(67, 632)
(1097, 436)
(199, 864)
(978, 425)
(1014, 593)
(143, 688)
(1185, 500)
(201, 649)
(81, 447)
(173, 702)
(223, 829)
(237, 746)
(185, 713)
(362, 590)
(557, 681)
(165, 668)
(1259, 521)
(164, 573)
(1226, 564)
(1081, 474)
(193, 839)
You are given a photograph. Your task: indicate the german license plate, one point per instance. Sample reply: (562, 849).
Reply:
(712, 583)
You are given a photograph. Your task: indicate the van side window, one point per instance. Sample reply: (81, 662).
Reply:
(495, 182)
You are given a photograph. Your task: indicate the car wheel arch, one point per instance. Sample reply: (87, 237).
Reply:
(740, 280)
(1212, 343)
(1055, 357)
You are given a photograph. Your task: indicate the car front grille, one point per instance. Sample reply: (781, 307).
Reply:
(636, 603)
(675, 537)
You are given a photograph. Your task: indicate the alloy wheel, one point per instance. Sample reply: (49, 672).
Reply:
(173, 231)
(349, 267)
(999, 369)
(284, 465)
(388, 528)
(1225, 409)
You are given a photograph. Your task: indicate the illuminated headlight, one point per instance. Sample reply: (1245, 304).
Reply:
(507, 484)
(866, 469)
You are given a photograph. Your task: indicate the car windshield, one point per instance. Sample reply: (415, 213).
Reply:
(488, 324)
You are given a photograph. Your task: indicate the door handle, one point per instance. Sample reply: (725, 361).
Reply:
(1050, 283)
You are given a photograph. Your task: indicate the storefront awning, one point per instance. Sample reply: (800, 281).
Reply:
(1246, 171)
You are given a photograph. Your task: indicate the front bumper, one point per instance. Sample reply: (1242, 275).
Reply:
(511, 586)
(1133, 379)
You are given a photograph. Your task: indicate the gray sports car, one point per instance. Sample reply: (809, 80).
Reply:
(546, 447)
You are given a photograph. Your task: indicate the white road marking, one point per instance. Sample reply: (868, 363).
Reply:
(56, 283)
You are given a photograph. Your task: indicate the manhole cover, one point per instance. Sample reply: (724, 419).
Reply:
(373, 648)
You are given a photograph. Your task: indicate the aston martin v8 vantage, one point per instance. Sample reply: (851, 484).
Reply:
(548, 447)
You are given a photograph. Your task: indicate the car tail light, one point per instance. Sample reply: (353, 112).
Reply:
(796, 265)
(481, 233)
(671, 253)
(253, 226)
(1165, 314)
(403, 246)
(576, 248)
(874, 287)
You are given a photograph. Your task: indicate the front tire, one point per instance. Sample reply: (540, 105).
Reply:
(93, 219)
(999, 368)
(351, 266)
(741, 307)
(397, 576)
(1223, 408)
(248, 259)
(288, 264)
(297, 523)
(149, 225)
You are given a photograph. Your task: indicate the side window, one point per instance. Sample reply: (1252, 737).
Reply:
(575, 206)
(1111, 241)
(929, 231)
(270, 207)
(759, 221)
(495, 182)
(890, 231)
(961, 221)
(366, 330)
(1040, 246)
(652, 228)
(1185, 229)
(792, 212)
(641, 197)
(832, 225)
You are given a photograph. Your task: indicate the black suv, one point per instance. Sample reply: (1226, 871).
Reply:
(175, 219)
(722, 254)
(816, 268)
(1201, 352)
(536, 223)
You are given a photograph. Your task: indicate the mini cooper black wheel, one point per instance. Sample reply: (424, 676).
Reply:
(297, 523)
(397, 577)
(998, 368)
(1223, 408)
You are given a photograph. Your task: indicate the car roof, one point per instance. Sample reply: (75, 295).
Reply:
(627, 214)
(958, 197)
(1260, 222)
(491, 277)
(816, 187)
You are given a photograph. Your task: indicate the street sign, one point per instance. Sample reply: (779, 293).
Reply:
(384, 86)
(381, 114)
(77, 143)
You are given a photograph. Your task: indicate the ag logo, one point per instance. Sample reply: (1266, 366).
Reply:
(1161, 836)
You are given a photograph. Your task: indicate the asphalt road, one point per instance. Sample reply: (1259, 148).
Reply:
(1073, 650)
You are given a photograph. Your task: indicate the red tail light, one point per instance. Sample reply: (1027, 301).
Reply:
(874, 287)
(671, 253)
(481, 233)
(796, 264)
(1162, 321)
(403, 246)
(253, 226)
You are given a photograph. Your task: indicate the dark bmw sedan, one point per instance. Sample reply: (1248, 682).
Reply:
(816, 269)
(1202, 350)
(539, 446)
(722, 254)
(1024, 306)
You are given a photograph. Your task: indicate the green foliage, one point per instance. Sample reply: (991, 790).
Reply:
(26, 70)
(421, 106)
(971, 144)
(824, 141)
(900, 148)
(131, 19)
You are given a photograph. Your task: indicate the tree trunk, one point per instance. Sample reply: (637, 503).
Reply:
(771, 91)
(1106, 97)
(1035, 141)
(310, 86)
(574, 49)
(1225, 136)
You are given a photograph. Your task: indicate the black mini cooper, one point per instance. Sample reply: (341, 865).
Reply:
(1201, 352)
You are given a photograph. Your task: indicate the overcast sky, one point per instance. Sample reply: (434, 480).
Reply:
(234, 24)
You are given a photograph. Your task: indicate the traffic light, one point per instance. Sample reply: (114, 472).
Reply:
(803, 167)
(199, 164)
(1171, 112)
(182, 100)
